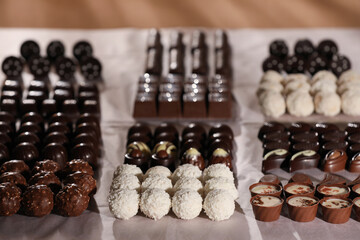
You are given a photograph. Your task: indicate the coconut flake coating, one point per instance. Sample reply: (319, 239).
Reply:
(350, 104)
(300, 104)
(349, 76)
(327, 103)
(272, 76)
(155, 203)
(221, 183)
(218, 170)
(219, 205)
(186, 204)
(129, 169)
(272, 104)
(186, 170)
(124, 203)
(158, 170)
(157, 181)
(324, 75)
(126, 181)
(189, 183)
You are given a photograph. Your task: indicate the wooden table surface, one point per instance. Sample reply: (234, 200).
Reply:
(187, 13)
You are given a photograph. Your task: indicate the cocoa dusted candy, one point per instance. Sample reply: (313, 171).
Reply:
(84, 181)
(138, 153)
(164, 154)
(15, 166)
(10, 199)
(76, 165)
(193, 156)
(46, 178)
(38, 201)
(71, 201)
(46, 166)
(15, 178)
(221, 156)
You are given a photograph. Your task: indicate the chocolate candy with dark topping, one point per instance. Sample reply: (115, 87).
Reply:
(304, 48)
(87, 139)
(304, 160)
(327, 48)
(275, 145)
(191, 143)
(305, 137)
(37, 201)
(316, 63)
(299, 127)
(15, 178)
(4, 153)
(28, 105)
(31, 127)
(166, 136)
(166, 127)
(12, 67)
(334, 136)
(91, 69)
(62, 118)
(76, 165)
(195, 128)
(274, 159)
(15, 166)
(328, 146)
(46, 178)
(332, 179)
(164, 154)
(11, 95)
(55, 152)
(6, 140)
(271, 179)
(354, 138)
(71, 201)
(278, 48)
(334, 161)
(272, 63)
(39, 67)
(297, 147)
(48, 107)
(89, 128)
(270, 127)
(10, 199)
(354, 165)
(84, 181)
(138, 153)
(220, 155)
(29, 49)
(322, 128)
(36, 85)
(294, 64)
(46, 166)
(85, 152)
(82, 50)
(353, 127)
(55, 50)
(56, 137)
(300, 178)
(28, 137)
(193, 156)
(26, 152)
(339, 64)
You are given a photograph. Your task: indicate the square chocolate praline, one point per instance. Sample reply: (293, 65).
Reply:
(169, 105)
(194, 105)
(145, 105)
(220, 105)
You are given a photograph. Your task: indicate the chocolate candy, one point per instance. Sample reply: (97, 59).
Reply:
(334, 161)
(138, 153)
(316, 63)
(84, 181)
(193, 156)
(322, 128)
(39, 67)
(26, 152)
(55, 50)
(300, 178)
(55, 152)
(46, 178)
(221, 156)
(6, 128)
(76, 165)
(274, 159)
(305, 137)
(28, 105)
(270, 127)
(352, 127)
(33, 117)
(327, 48)
(353, 149)
(29, 49)
(5, 140)
(219, 105)
(278, 48)
(12, 67)
(221, 128)
(297, 147)
(15, 166)
(334, 136)
(169, 105)
(166, 127)
(59, 127)
(299, 127)
(31, 127)
(194, 105)
(191, 143)
(48, 107)
(91, 68)
(145, 105)
(304, 160)
(354, 165)
(272, 63)
(15, 178)
(332, 179)
(37, 201)
(82, 50)
(46, 166)
(9, 105)
(88, 87)
(85, 152)
(4, 153)
(326, 147)
(270, 146)
(294, 64)
(28, 137)
(354, 138)
(10, 196)
(56, 137)
(139, 137)
(304, 48)
(339, 64)
(164, 154)
(87, 139)
(271, 179)
(276, 137)
(36, 85)
(166, 136)
(71, 201)
(89, 128)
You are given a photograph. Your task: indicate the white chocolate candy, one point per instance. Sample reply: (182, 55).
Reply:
(219, 205)
(221, 183)
(269, 86)
(266, 201)
(186, 170)
(128, 169)
(335, 203)
(189, 183)
(300, 104)
(327, 103)
(186, 204)
(350, 104)
(302, 201)
(324, 75)
(298, 77)
(264, 189)
(218, 170)
(157, 181)
(158, 170)
(124, 203)
(155, 203)
(125, 181)
(349, 76)
(348, 86)
(332, 190)
(272, 76)
(323, 85)
(272, 104)
(298, 189)
(292, 86)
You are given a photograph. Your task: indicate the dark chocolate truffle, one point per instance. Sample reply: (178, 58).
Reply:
(305, 137)
(164, 154)
(56, 137)
(299, 127)
(80, 165)
(29, 49)
(71, 201)
(270, 127)
(85, 152)
(55, 50)
(82, 50)
(26, 152)
(10, 198)
(195, 128)
(65, 68)
(15, 166)
(28, 137)
(38, 201)
(193, 156)
(166, 127)
(15, 178)
(4, 153)
(55, 152)
(221, 156)
(46, 178)
(140, 128)
(322, 128)
(84, 181)
(138, 137)
(222, 128)
(46, 166)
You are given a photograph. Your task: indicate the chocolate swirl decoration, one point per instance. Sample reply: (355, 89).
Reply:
(164, 154)
(274, 159)
(304, 160)
(193, 156)
(167, 148)
(221, 156)
(138, 153)
(141, 146)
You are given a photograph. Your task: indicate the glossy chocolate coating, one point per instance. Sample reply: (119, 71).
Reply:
(84, 181)
(194, 136)
(193, 156)
(28, 137)
(28, 105)
(9, 105)
(36, 85)
(138, 153)
(4, 153)
(89, 128)
(60, 95)
(91, 69)
(191, 143)
(46, 166)
(276, 136)
(70, 107)
(166, 136)
(274, 159)
(353, 127)
(55, 152)
(304, 160)
(6, 128)
(12, 67)
(297, 147)
(164, 154)
(37, 201)
(88, 87)
(334, 136)
(354, 165)
(87, 139)
(139, 137)
(299, 127)
(29, 49)
(270, 127)
(82, 50)
(46, 178)
(354, 138)
(221, 156)
(353, 149)
(60, 117)
(55, 50)
(39, 66)
(31, 127)
(7, 117)
(270, 178)
(166, 127)
(332, 179)
(87, 117)
(5, 140)
(85, 152)
(221, 128)
(334, 160)
(76, 165)
(15, 166)
(270, 146)
(38, 96)
(305, 137)
(219, 144)
(10, 196)
(65, 68)
(15, 178)
(56, 137)
(300, 178)
(195, 128)
(12, 85)
(59, 127)
(328, 146)
(65, 85)
(71, 201)
(48, 107)
(322, 128)
(26, 152)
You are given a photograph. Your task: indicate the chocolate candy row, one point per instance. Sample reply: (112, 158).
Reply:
(196, 146)
(174, 96)
(303, 146)
(306, 58)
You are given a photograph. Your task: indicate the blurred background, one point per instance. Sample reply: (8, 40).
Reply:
(188, 13)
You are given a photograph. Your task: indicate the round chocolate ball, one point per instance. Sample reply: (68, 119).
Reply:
(65, 68)
(46, 178)
(71, 201)
(39, 66)
(78, 165)
(222, 128)
(141, 129)
(55, 50)
(195, 128)
(84, 181)
(220, 135)
(29, 137)
(12, 67)
(85, 152)
(10, 199)
(59, 117)
(191, 143)
(294, 64)
(55, 152)
(6, 128)
(166, 127)
(193, 136)
(4, 153)
(6, 140)
(166, 136)
(56, 137)
(15, 166)
(37, 201)
(59, 127)
(88, 128)
(31, 127)
(87, 139)
(82, 50)
(87, 118)
(46, 166)
(327, 48)
(278, 48)
(91, 68)
(304, 48)
(33, 117)
(26, 152)
(15, 178)
(273, 63)
(322, 128)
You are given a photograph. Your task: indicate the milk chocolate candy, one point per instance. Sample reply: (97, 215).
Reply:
(304, 160)
(169, 105)
(328, 146)
(274, 159)
(270, 146)
(220, 105)
(12, 67)
(153, 88)
(299, 188)
(10, 196)
(65, 68)
(164, 154)
(82, 50)
(84, 181)
(10, 106)
(300, 178)
(46, 166)
(71, 201)
(195, 88)
(15, 178)
(37, 85)
(154, 61)
(270, 178)
(354, 138)
(304, 137)
(145, 106)
(297, 147)
(270, 127)
(266, 208)
(37, 201)
(322, 128)
(353, 127)
(338, 190)
(356, 202)
(354, 165)
(194, 105)
(336, 210)
(48, 179)
(48, 107)
(29, 49)
(78, 165)
(334, 161)
(334, 136)
(299, 127)
(265, 189)
(302, 208)
(332, 179)
(220, 155)
(193, 156)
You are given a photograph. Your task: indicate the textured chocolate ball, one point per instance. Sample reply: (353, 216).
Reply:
(85, 152)
(26, 152)
(37, 201)
(15, 178)
(294, 64)
(316, 63)
(12, 67)
(15, 166)
(4, 153)
(84, 181)
(91, 68)
(46, 166)
(71, 201)
(273, 63)
(10, 199)
(65, 68)
(278, 48)
(304, 48)
(55, 152)
(82, 50)
(46, 178)
(39, 66)
(78, 165)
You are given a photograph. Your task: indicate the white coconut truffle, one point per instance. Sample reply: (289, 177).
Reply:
(272, 76)
(292, 86)
(350, 103)
(186, 204)
(125, 181)
(155, 203)
(324, 75)
(300, 104)
(218, 170)
(124, 203)
(348, 86)
(269, 86)
(129, 169)
(157, 181)
(323, 85)
(219, 205)
(186, 170)
(297, 77)
(272, 104)
(221, 183)
(327, 103)
(158, 170)
(349, 76)
(189, 183)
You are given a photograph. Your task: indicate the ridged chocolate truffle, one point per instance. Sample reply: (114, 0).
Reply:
(84, 181)
(76, 165)
(38, 201)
